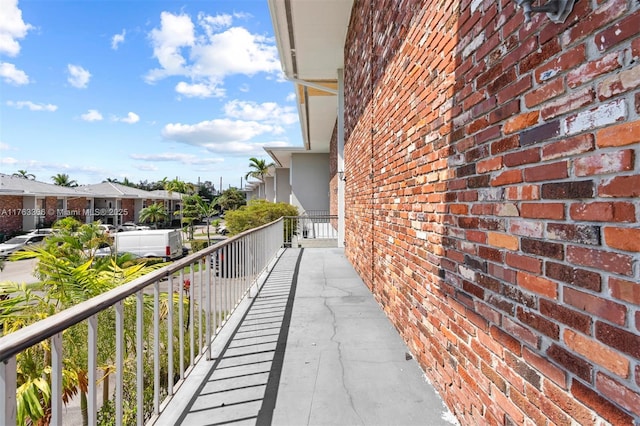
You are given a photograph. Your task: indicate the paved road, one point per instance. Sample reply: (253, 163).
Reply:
(20, 271)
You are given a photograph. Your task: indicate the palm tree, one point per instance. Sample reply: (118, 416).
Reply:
(62, 179)
(259, 169)
(154, 213)
(206, 210)
(24, 175)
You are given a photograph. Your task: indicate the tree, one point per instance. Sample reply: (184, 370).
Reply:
(67, 273)
(62, 179)
(154, 213)
(257, 213)
(231, 199)
(259, 168)
(206, 210)
(24, 175)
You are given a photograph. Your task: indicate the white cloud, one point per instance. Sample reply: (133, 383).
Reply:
(12, 27)
(176, 32)
(8, 160)
(131, 118)
(267, 111)
(199, 90)
(208, 52)
(216, 133)
(291, 97)
(4, 146)
(177, 157)
(12, 75)
(92, 115)
(32, 106)
(118, 39)
(78, 76)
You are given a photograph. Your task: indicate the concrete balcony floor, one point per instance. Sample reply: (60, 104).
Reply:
(313, 348)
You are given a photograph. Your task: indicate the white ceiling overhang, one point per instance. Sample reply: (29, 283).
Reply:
(310, 35)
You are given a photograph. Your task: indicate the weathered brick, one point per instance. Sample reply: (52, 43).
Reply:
(522, 157)
(568, 404)
(527, 228)
(591, 70)
(543, 365)
(523, 192)
(603, 308)
(619, 393)
(619, 135)
(505, 144)
(609, 162)
(489, 165)
(568, 60)
(603, 212)
(565, 104)
(600, 116)
(627, 239)
(622, 82)
(618, 32)
(524, 263)
(548, 91)
(582, 234)
(612, 262)
(568, 147)
(508, 177)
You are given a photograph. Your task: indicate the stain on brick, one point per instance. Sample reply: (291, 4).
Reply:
(583, 234)
(568, 190)
(539, 134)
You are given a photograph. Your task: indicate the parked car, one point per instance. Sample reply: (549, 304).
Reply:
(131, 226)
(20, 242)
(107, 229)
(41, 231)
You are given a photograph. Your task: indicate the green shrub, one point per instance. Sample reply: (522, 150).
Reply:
(197, 245)
(256, 213)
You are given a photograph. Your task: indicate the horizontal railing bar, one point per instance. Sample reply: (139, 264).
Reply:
(17, 341)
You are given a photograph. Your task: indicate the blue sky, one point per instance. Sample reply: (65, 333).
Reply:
(142, 89)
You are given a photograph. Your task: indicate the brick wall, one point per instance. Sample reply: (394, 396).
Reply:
(10, 221)
(492, 204)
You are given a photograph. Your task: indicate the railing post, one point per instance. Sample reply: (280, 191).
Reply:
(92, 409)
(207, 309)
(56, 379)
(119, 361)
(139, 359)
(156, 348)
(170, 337)
(8, 380)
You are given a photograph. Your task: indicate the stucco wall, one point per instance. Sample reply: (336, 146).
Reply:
(310, 182)
(492, 201)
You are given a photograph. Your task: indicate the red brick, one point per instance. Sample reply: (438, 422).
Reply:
(581, 234)
(570, 361)
(538, 322)
(603, 15)
(508, 177)
(542, 210)
(591, 70)
(618, 32)
(575, 276)
(625, 290)
(550, 90)
(612, 262)
(523, 192)
(507, 340)
(606, 309)
(609, 162)
(616, 84)
(545, 172)
(527, 228)
(617, 338)
(538, 285)
(597, 353)
(603, 212)
(621, 186)
(560, 312)
(519, 122)
(541, 364)
(569, 405)
(619, 393)
(524, 263)
(502, 240)
(522, 157)
(542, 248)
(489, 165)
(568, 147)
(619, 135)
(627, 239)
(598, 403)
(568, 103)
(568, 60)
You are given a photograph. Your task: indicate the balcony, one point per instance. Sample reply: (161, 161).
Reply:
(264, 332)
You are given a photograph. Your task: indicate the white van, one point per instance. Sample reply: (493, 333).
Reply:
(164, 243)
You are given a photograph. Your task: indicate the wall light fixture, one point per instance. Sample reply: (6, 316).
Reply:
(557, 10)
(341, 175)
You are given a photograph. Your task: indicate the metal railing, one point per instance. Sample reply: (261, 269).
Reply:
(176, 312)
(301, 229)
